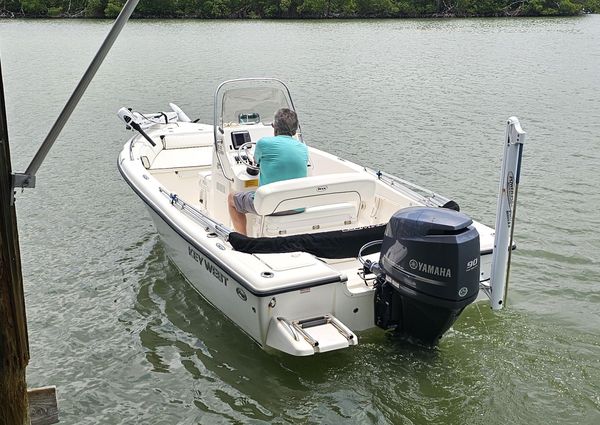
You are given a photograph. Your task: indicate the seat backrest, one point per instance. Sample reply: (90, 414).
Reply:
(327, 202)
(314, 191)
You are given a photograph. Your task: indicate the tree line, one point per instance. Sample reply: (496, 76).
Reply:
(291, 9)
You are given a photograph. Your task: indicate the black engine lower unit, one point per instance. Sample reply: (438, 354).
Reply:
(410, 317)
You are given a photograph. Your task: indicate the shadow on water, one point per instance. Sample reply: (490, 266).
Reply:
(214, 373)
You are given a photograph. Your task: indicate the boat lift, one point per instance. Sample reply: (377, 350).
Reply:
(510, 177)
(19, 405)
(27, 179)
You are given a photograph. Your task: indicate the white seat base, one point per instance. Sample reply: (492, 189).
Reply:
(312, 219)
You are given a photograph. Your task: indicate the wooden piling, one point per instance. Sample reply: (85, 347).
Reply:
(14, 345)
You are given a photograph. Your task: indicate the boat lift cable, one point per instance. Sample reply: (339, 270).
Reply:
(27, 179)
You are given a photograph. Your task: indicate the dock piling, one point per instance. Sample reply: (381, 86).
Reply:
(14, 345)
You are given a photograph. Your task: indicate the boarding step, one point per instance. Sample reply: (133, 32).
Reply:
(309, 336)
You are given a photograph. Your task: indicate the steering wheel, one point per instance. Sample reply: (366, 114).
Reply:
(247, 158)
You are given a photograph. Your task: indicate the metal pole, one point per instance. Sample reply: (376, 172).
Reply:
(28, 179)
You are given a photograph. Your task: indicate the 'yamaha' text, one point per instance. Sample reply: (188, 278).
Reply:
(430, 269)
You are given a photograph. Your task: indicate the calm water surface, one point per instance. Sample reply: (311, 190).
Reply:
(115, 327)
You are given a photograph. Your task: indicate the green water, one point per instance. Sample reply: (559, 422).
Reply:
(125, 340)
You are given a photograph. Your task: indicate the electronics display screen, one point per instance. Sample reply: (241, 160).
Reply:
(238, 138)
(249, 118)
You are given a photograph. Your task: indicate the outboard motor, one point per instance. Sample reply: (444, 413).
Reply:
(429, 272)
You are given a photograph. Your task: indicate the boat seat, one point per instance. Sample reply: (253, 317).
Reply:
(196, 139)
(183, 157)
(329, 202)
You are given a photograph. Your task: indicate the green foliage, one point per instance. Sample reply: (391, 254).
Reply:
(299, 8)
(479, 8)
(11, 5)
(215, 9)
(406, 8)
(95, 8)
(34, 7)
(113, 8)
(553, 7)
(188, 7)
(346, 7)
(567, 7)
(591, 6)
(55, 11)
(314, 8)
(155, 8)
(376, 7)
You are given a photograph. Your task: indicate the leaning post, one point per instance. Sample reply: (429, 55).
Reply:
(14, 345)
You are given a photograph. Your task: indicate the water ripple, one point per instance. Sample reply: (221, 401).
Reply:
(126, 340)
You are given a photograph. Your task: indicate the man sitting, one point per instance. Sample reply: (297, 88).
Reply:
(280, 158)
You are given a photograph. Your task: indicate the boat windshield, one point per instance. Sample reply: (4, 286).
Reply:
(250, 101)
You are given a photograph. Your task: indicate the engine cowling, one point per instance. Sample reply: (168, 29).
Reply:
(430, 262)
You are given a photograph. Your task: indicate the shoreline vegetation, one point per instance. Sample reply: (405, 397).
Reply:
(296, 9)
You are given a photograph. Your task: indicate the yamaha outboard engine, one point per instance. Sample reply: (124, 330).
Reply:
(429, 272)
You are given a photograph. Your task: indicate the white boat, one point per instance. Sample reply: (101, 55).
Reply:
(297, 283)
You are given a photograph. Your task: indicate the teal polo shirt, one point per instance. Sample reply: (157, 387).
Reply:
(280, 158)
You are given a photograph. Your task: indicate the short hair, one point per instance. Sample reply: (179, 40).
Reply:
(285, 122)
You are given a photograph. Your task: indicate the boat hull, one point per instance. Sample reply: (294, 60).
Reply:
(251, 312)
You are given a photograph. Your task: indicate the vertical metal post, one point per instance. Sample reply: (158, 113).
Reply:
(505, 213)
(14, 345)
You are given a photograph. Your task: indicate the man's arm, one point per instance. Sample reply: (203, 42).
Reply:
(258, 152)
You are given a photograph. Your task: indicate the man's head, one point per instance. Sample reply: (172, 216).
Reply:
(285, 122)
